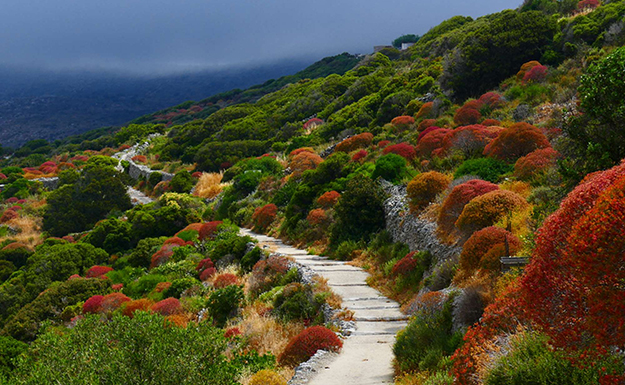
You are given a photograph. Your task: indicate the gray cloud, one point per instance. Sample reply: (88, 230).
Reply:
(158, 36)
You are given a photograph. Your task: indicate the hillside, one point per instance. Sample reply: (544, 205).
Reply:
(476, 179)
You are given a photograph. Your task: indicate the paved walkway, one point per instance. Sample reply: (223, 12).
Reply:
(366, 357)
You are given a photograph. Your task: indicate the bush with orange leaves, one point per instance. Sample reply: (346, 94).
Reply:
(166, 307)
(490, 122)
(425, 123)
(97, 271)
(427, 131)
(466, 115)
(526, 67)
(425, 111)
(456, 200)
(307, 343)
(140, 159)
(317, 217)
(8, 215)
(264, 216)
(516, 141)
(535, 163)
(431, 142)
(328, 199)
(304, 161)
(301, 150)
(112, 302)
(423, 188)
(486, 210)
(403, 122)
(131, 307)
(405, 150)
(469, 139)
(267, 377)
(209, 230)
(536, 74)
(483, 250)
(225, 280)
(355, 142)
(491, 100)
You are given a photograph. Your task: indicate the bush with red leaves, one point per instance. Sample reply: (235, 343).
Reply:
(8, 215)
(491, 100)
(140, 159)
(466, 116)
(304, 161)
(516, 141)
(225, 280)
(423, 188)
(166, 307)
(427, 131)
(317, 217)
(405, 150)
(487, 209)
(97, 271)
(355, 142)
(535, 162)
(92, 305)
(328, 199)
(535, 75)
(425, 111)
(403, 122)
(74, 276)
(360, 155)
(468, 139)
(457, 199)
(301, 150)
(490, 122)
(175, 241)
(525, 68)
(406, 265)
(131, 307)
(112, 302)
(162, 256)
(476, 249)
(311, 124)
(204, 264)
(303, 346)
(264, 216)
(431, 142)
(425, 123)
(208, 230)
(2, 176)
(383, 143)
(588, 4)
(197, 174)
(207, 273)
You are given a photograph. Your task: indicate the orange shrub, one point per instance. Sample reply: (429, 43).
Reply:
(403, 122)
(304, 161)
(355, 142)
(317, 217)
(490, 99)
(427, 131)
(301, 150)
(224, 280)
(264, 216)
(457, 199)
(131, 307)
(112, 302)
(425, 124)
(328, 199)
(465, 116)
(162, 286)
(305, 345)
(166, 307)
(431, 142)
(423, 188)
(535, 162)
(140, 159)
(516, 141)
(405, 265)
(490, 122)
(425, 111)
(383, 143)
(8, 215)
(486, 210)
(526, 67)
(475, 252)
(178, 320)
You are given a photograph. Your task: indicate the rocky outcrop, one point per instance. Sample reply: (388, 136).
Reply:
(49, 183)
(139, 171)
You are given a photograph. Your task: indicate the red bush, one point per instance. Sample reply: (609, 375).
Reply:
(516, 141)
(207, 273)
(311, 124)
(97, 271)
(427, 131)
(112, 302)
(402, 122)
(425, 111)
(588, 4)
(431, 142)
(303, 346)
(2, 176)
(166, 307)
(406, 265)
(8, 215)
(490, 99)
(131, 307)
(491, 122)
(232, 332)
(92, 305)
(301, 150)
(328, 199)
(208, 230)
(74, 276)
(457, 199)
(525, 68)
(423, 188)
(264, 216)
(175, 241)
(535, 162)
(162, 256)
(15, 246)
(405, 150)
(360, 155)
(475, 250)
(383, 143)
(162, 286)
(204, 264)
(468, 139)
(536, 74)
(12, 200)
(487, 209)
(117, 286)
(304, 161)
(317, 217)
(355, 142)
(224, 280)
(425, 123)
(466, 116)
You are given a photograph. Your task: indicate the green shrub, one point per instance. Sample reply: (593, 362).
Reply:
(223, 303)
(249, 260)
(144, 285)
(10, 348)
(391, 167)
(488, 169)
(178, 286)
(182, 182)
(294, 302)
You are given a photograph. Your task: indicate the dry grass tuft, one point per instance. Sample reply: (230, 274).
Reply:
(209, 185)
(29, 231)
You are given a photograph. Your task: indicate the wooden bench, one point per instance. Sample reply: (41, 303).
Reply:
(507, 263)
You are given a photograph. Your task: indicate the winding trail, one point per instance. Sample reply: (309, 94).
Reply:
(366, 357)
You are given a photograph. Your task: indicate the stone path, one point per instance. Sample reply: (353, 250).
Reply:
(366, 357)
(137, 197)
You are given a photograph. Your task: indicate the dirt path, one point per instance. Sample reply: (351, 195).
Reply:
(366, 357)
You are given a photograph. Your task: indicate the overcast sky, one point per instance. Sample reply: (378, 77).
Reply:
(164, 36)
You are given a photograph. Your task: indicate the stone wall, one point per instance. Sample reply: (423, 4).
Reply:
(135, 170)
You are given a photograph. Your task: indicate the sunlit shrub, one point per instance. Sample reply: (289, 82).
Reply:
(317, 217)
(516, 141)
(304, 161)
(426, 131)
(131, 307)
(112, 302)
(486, 210)
(588, 4)
(360, 155)
(475, 251)
(328, 199)
(403, 122)
(535, 162)
(305, 345)
(525, 68)
(93, 304)
(423, 188)
(208, 185)
(425, 123)
(140, 159)
(298, 151)
(355, 142)
(266, 377)
(208, 230)
(207, 273)
(425, 111)
(466, 116)
(536, 74)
